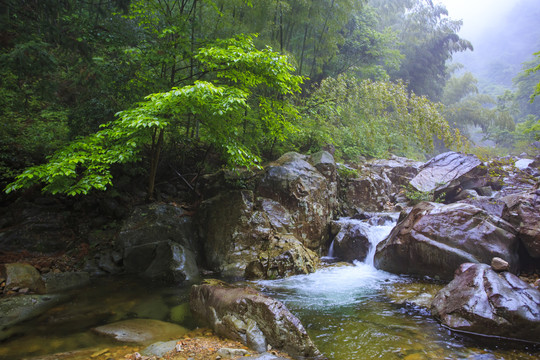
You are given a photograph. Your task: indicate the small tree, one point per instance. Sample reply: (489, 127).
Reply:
(224, 106)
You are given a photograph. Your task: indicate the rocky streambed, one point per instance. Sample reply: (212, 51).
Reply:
(428, 280)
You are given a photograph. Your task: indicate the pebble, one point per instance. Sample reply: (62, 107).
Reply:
(499, 264)
(229, 353)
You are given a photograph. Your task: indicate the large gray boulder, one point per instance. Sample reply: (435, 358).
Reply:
(244, 235)
(230, 231)
(369, 191)
(449, 173)
(309, 195)
(399, 170)
(479, 300)
(351, 240)
(434, 239)
(492, 206)
(159, 241)
(523, 211)
(256, 320)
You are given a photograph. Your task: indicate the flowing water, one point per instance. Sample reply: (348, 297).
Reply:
(350, 311)
(359, 312)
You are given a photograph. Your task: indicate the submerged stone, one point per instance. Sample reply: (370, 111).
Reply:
(141, 331)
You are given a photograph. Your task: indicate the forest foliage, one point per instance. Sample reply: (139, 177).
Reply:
(90, 86)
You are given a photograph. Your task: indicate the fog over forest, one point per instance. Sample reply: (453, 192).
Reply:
(502, 41)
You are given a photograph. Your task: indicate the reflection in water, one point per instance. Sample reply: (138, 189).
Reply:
(66, 327)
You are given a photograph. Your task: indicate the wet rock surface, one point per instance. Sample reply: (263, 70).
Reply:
(399, 170)
(307, 194)
(246, 315)
(523, 211)
(159, 241)
(434, 239)
(450, 172)
(350, 241)
(282, 256)
(367, 192)
(252, 236)
(479, 300)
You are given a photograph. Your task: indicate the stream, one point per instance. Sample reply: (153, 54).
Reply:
(359, 312)
(351, 311)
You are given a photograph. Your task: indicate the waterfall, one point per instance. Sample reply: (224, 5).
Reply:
(376, 234)
(331, 250)
(375, 229)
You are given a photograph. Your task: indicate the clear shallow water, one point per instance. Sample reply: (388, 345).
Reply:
(66, 327)
(358, 312)
(347, 313)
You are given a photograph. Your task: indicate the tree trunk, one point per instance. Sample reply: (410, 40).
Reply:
(154, 162)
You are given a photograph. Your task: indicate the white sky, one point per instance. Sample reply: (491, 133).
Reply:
(478, 15)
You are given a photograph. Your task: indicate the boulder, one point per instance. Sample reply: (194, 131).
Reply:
(254, 319)
(280, 219)
(20, 275)
(351, 241)
(244, 236)
(367, 192)
(508, 179)
(307, 194)
(324, 162)
(465, 194)
(399, 170)
(481, 301)
(282, 256)
(449, 173)
(232, 231)
(141, 331)
(523, 211)
(160, 241)
(492, 206)
(434, 239)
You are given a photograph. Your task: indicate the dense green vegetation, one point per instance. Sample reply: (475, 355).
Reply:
(92, 87)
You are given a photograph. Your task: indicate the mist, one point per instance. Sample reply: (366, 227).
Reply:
(504, 34)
